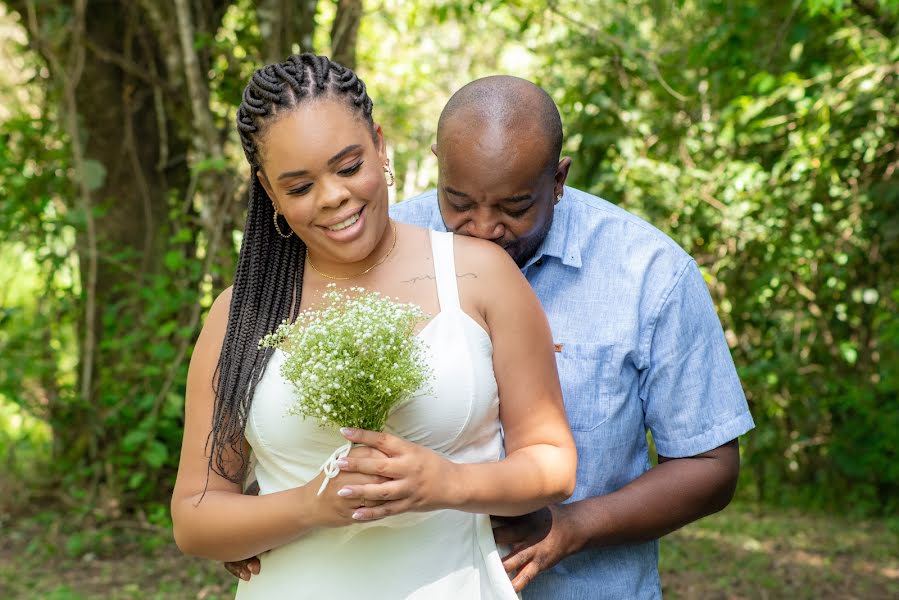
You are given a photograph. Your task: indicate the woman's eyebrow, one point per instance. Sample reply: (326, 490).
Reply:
(336, 158)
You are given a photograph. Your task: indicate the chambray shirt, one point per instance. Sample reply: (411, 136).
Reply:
(641, 348)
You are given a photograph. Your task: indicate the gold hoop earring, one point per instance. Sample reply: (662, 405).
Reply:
(389, 173)
(278, 227)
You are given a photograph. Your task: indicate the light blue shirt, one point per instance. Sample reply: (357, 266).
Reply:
(641, 348)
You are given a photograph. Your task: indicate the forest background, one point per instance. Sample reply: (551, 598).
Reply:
(760, 135)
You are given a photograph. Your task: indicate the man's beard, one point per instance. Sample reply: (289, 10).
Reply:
(522, 249)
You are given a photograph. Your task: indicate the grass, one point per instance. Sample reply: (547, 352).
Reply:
(743, 552)
(747, 552)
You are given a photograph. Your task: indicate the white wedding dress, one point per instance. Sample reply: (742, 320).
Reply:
(445, 554)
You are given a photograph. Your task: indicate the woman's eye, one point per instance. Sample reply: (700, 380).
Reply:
(351, 170)
(299, 190)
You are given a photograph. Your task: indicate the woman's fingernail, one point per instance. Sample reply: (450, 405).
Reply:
(344, 492)
(347, 430)
(342, 463)
(359, 515)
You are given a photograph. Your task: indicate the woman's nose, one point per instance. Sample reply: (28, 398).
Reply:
(334, 193)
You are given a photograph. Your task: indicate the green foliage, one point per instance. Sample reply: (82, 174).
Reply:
(777, 173)
(760, 135)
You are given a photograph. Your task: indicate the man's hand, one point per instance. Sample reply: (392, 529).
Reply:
(244, 569)
(539, 540)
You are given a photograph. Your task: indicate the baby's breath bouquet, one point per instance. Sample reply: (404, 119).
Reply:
(352, 360)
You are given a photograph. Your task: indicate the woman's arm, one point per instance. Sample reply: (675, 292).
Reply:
(540, 463)
(211, 517)
(541, 460)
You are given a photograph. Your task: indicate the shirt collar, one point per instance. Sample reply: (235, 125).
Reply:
(562, 241)
(437, 223)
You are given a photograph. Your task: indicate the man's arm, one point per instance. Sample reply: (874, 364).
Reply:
(674, 493)
(693, 403)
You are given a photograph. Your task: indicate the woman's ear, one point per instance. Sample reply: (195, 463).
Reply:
(380, 144)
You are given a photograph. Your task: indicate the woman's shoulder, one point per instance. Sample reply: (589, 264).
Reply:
(221, 305)
(216, 319)
(480, 255)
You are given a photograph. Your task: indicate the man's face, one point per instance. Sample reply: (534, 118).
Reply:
(499, 190)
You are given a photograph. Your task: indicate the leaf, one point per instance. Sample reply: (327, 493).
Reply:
(136, 479)
(209, 164)
(134, 439)
(156, 454)
(173, 259)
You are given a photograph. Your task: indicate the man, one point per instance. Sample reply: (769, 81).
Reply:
(638, 346)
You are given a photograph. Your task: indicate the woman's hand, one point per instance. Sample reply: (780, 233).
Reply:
(414, 478)
(336, 510)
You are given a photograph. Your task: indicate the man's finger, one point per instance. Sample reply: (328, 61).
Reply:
(238, 569)
(525, 576)
(254, 565)
(233, 569)
(518, 558)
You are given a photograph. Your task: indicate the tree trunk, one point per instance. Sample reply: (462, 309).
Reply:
(344, 31)
(284, 23)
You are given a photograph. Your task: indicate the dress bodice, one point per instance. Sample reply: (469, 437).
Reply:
(438, 554)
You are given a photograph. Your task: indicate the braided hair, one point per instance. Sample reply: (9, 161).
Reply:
(269, 277)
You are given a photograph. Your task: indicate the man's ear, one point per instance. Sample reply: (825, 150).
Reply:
(561, 175)
(267, 186)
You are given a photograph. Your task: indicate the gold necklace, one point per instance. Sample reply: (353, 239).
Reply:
(381, 260)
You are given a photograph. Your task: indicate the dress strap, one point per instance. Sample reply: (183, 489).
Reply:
(445, 269)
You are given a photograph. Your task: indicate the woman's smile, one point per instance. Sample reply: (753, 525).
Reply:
(348, 228)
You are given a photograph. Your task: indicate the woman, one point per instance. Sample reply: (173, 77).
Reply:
(319, 200)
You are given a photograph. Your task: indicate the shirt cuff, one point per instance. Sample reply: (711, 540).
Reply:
(705, 441)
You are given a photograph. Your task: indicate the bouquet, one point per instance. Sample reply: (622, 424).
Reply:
(351, 361)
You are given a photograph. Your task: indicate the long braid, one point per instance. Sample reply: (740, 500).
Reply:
(268, 281)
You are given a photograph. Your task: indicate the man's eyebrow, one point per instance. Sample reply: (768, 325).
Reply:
(516, 199)
(336, 158)
(450, 190)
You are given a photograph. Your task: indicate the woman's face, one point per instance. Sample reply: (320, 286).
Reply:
(325, 174)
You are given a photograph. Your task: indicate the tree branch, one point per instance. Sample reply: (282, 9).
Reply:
(614, 40)
(198, 92)
(70, 76)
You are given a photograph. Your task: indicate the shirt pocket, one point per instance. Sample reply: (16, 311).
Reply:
(586, 396)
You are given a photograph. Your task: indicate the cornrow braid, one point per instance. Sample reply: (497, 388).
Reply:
(282, 86)
(268, 281)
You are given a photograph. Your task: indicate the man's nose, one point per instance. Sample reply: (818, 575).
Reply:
(486, 229)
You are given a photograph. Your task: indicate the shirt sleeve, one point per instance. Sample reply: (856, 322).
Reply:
(692, 398)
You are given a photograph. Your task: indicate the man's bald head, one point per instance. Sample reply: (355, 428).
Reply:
(507, 108)
(499, 173)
